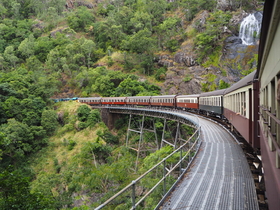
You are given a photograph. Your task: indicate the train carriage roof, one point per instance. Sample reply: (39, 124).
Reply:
(188, 96)
(90, 98)
(115, 98)
(138, 97)
(213, 93)
(164, 96)
(247, 80)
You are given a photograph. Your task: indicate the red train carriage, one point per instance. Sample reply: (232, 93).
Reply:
(113, 100)
(93, 101)
(187, 101)
(138, 100)
(239, 110)
(164, 101)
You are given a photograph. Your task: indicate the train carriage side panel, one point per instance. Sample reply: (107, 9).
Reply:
(138, 100)
(164, 101)
(237, 109)
(211, 102)
(268, 73)
(113, 101)
(90, 100)
(187, 101)
(238, 106)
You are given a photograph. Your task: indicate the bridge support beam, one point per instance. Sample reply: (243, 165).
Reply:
(141, 127)
(109, 118)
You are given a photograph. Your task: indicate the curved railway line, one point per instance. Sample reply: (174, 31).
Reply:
(220, 177)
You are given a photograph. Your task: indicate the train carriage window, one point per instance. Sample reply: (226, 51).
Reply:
(238, 103)
(231, 102)
(244, 103)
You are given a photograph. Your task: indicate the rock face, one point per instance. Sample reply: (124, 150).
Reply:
(70, 4)
(228, 4)
(233, 47)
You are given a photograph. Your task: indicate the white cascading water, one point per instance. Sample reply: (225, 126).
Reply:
(249, 30)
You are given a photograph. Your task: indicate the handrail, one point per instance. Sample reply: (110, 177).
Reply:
(275, 143)
(271, 115)
(133, 183)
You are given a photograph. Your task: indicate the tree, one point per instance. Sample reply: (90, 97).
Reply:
(207, 41)
(83, 112)
(3, 11)
(166, 30)
(43, 46)
(116, 36)
(54, 60)
(2, 62)
(16, 10)
(17, 140)
(26, 47)
(223, 84)
(49, 121)
(140, 21)
(93, 118)
(9, 55)
(12, 108)
(41, 7)
(129, 87)
(156, 9)
(123, 18)
(88, 47)
(15, 193)
(32, 108)
(80, 19)
(194, 6)
(52, 16)
(140, 42)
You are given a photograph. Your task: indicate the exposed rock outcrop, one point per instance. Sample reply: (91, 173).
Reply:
(70, 4)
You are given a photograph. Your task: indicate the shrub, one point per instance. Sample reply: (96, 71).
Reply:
(71, 144)
(83, 112)
(93, 118)
(108, 137)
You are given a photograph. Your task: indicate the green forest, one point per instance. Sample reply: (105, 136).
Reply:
(61, 155)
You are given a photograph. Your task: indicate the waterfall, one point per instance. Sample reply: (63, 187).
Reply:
(250, 29)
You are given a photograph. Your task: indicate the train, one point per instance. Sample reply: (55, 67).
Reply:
(232, 105)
